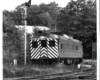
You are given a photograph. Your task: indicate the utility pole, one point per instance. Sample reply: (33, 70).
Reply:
(25, 24)
(27, 4)
(55, 25)
(57, 12)
(24, 17)
(92, 51)
(55, 22)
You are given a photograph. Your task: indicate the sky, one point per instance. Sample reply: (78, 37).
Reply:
(12, 4)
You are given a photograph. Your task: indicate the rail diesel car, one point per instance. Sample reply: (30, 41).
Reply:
(56, 47)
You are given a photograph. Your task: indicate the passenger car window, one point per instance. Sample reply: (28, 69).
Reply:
(34, 44)
(76, 47)
(61, 46)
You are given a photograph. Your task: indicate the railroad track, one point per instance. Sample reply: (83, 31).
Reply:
(75, 75)
(87, 74)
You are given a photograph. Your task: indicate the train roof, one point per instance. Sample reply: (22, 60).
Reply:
(57, 33)
(70, 41)
(42, 28)
(29, 29)
(65, 37)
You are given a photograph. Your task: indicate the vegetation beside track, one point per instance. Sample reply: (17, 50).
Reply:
(36, 69)
(85, 74)
(10, 71)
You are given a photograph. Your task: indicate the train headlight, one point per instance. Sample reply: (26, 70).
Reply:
(42, 37)
(79, 66)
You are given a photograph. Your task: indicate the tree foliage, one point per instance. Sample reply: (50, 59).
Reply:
(12, 42)
(43, 14)
(78, 19)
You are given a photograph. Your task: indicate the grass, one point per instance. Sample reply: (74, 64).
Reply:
(10, 71)
(90, 62)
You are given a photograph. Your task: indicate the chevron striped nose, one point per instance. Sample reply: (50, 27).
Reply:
(43, 52)
(44, 48)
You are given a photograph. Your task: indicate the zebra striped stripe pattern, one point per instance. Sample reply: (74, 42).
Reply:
(40, 52)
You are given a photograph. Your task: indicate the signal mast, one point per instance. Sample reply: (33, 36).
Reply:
(26, 4)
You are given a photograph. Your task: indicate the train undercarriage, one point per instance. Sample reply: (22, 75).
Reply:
(44, 61)
(67, 61)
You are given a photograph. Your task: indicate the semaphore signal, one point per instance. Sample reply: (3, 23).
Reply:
(24, 7)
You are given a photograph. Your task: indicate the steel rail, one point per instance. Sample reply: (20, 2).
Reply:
(70, 74)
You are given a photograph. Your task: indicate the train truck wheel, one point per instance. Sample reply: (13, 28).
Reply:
(68, 61)
(78, 61)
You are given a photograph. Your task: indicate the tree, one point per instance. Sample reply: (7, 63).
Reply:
(78, 19)
(12, 43)
(53, 9)
(33, 15)
(46, 19)
(44, 14)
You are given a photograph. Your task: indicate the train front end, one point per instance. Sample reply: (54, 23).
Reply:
(44, 49)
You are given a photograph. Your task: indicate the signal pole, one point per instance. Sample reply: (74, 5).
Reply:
(25, 24)
(55, 23)
(26, 4)
(24, 17)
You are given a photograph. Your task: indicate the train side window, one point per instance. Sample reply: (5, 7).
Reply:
(34, 44)
(73, 47)
(52, 43)
(69, 46)
(43, 43)
(66, 46)
(76, 47)
(61, 46)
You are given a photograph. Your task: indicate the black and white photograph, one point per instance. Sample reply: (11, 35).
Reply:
(50, 40)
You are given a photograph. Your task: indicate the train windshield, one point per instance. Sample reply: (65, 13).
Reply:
(34, 44)
(52, 43)
(43, 43)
